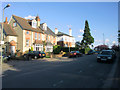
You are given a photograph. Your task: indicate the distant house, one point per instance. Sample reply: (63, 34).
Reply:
(32, 34)
(10, 38)
(65, 40)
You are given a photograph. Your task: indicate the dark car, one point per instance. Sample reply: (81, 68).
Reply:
(106, 55)
(5, 58)
(75, 54)
(91, 52)
(35, 54)
(97, 52)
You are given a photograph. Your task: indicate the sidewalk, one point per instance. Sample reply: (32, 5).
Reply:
(116, 78)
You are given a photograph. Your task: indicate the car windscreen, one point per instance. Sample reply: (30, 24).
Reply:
(72, 51)
(106, 53)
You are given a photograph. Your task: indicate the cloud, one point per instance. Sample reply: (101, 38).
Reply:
(107, 40)
(82, 31)
(30, 17)
(69, 26)
(99, 41)
(114, 42)
(94, 30)
(80, 36)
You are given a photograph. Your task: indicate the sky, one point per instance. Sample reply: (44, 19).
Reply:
(102, 17)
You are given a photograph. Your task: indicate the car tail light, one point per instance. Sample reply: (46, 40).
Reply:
(74, 53)
(39, 54)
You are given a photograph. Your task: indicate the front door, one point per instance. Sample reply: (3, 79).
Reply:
(12, 50)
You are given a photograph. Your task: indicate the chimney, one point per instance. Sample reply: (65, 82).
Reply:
(6, 20)
(38, 21)
(56, 31)
(70, 32)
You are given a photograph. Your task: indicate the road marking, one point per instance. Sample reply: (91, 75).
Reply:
(58, 83)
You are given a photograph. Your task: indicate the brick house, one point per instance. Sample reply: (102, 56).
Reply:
(65, 40)
(32, 34)
(10, 38)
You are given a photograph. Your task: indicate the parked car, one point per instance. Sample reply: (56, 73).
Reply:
(35, 54)
(91, 52)
(5, 58)
(75, 54)
(106, 55)
(97, 52)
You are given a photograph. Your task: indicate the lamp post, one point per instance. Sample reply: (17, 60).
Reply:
(2, 42)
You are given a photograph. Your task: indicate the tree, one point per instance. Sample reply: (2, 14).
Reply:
(44, 44)
(115, 47)
(78, 44)
(87, 38)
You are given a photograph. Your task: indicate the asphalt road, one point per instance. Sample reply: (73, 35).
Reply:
(82, 72)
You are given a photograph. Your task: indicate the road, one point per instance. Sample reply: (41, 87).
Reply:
(82, 72)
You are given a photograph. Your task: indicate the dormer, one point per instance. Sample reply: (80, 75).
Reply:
(44, 26)
(34, 23)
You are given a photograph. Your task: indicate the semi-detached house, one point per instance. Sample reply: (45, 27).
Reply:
(32, 34)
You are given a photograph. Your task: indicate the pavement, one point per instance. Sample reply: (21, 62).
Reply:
(116, 77)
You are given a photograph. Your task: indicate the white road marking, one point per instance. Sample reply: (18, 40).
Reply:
(58, 83)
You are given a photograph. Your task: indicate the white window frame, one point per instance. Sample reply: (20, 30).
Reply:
(39, 36)
(35, 35)
(14, 24)
(27, 42)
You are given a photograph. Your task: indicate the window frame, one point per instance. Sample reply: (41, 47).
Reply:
(35, 35)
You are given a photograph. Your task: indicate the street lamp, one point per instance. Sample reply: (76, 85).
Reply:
(2, 42)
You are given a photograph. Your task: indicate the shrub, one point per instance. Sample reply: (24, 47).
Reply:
(31, 48)
(47, 56)
(66, 49)
(57, 49)
(87, 49)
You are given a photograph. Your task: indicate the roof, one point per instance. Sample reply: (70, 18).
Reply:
(9, 31)
(48, 31)
(25, 25)
(61, 34)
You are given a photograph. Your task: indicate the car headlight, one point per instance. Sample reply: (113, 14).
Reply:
(109, 57)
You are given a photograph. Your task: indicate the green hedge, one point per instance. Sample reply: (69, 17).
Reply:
(57, 49)
(66, 49)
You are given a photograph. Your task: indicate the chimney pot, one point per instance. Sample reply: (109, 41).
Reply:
(56, 31)
(6, 20)
(70, 31)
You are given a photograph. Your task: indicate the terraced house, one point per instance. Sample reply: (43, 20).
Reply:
(9, 37)
(32, 34)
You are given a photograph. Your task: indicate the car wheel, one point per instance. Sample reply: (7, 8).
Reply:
(35, 57)
(98, 60)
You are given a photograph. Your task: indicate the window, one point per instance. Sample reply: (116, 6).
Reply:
(14, 24)
(35, 35)
(45, 26)
(27, 42)
(43, 37)
(49, 38)
(39, 36)
(34, 23)
(27, 32)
